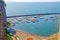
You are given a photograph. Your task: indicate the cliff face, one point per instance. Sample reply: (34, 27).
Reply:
(2, 21)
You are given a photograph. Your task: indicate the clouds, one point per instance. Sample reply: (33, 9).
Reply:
(32, 0)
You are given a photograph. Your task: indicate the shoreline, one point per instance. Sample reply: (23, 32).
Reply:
(25, 35)
(28, 33)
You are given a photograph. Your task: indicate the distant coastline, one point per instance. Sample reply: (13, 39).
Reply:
(34, 15)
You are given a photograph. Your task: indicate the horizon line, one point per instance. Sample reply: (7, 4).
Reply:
(32, 1)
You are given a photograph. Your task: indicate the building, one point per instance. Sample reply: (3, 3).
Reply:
(2, 20)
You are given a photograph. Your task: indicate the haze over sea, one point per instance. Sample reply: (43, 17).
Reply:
(44, 28)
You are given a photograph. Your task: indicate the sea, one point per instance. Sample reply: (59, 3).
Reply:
(42, 28)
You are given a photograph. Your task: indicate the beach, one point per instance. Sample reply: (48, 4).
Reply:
(28, 36)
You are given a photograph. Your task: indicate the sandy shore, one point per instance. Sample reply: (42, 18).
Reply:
(59, 36)
(25, 36)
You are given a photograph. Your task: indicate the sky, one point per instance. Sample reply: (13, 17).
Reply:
(32, 0)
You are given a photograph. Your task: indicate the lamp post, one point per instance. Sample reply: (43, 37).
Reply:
(2, 20)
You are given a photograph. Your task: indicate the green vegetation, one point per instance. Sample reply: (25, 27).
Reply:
(7, 33)
(8, 37)
(8, 24)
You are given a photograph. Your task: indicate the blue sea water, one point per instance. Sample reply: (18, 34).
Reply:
(43, 28)
(23, 8)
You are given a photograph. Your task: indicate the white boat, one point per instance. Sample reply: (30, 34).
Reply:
(12, 20)
(25, 21)
(19, 18)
